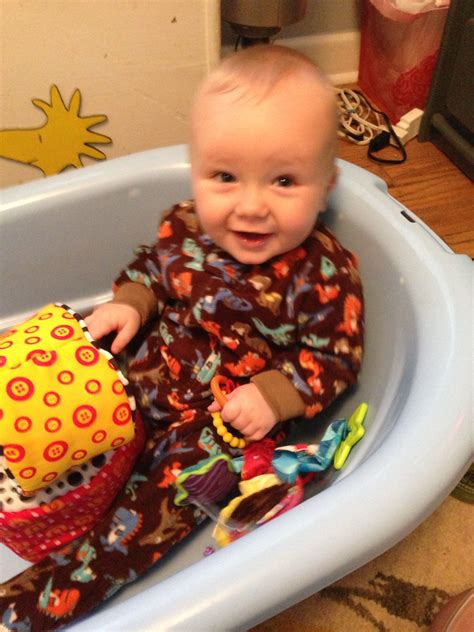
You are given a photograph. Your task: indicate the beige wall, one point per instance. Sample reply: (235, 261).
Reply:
(136, 61)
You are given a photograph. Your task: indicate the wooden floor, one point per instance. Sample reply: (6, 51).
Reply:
(431, 186)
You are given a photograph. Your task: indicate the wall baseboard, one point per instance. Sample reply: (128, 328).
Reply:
(336, 53)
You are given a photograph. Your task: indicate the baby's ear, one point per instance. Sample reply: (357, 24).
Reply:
(333, 180)
(330, 185)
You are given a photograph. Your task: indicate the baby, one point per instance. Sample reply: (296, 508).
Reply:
(262, 159)
(244, 281)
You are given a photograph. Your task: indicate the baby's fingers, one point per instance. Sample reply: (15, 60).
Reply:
(123, 337)
(97, 328)
(231, 411)
(254, 434)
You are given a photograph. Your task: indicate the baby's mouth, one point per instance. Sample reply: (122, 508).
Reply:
(250, 238)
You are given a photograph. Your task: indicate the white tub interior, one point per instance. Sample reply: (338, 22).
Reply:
(64, 238)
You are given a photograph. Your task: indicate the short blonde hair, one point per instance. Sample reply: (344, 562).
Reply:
(255, 71)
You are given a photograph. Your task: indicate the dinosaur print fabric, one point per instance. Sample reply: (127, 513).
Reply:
(300, 314)
(141, 526)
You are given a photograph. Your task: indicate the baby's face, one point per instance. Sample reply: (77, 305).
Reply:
(261, 171)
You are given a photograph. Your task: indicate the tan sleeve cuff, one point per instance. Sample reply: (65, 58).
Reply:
(138, 296)
(280, 394)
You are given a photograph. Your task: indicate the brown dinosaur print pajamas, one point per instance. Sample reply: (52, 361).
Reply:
(293, 326)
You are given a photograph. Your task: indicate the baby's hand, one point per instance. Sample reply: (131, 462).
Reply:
(123, 319)
(247, 411)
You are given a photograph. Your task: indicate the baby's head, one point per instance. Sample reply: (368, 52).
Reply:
(262, 147)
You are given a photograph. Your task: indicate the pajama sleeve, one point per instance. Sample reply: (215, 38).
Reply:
(140, 284)
(327, 356)
(138, 296)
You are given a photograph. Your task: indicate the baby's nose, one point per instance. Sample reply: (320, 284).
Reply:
(252, 203)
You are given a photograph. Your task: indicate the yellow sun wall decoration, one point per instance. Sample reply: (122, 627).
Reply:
(60, 142)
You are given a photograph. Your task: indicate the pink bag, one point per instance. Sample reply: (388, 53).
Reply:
(398, 52)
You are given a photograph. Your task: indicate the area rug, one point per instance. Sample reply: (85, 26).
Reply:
(400, 591)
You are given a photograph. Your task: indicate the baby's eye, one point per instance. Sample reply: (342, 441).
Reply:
(284, 181)
(223, 176)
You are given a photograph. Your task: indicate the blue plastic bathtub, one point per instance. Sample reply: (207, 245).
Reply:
(64, 238)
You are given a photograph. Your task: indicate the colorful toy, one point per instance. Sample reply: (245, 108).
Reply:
(69, 433)
(272, 478)
(355, 433)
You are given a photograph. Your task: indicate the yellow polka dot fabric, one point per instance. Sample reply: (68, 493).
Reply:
(62, 398)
